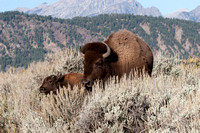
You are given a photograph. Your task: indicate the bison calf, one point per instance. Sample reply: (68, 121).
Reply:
(52, 83)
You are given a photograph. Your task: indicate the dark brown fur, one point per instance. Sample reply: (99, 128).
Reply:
(128, 53)
(52, 83)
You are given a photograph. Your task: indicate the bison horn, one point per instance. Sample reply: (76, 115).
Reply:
(105, 55)
(81, 49)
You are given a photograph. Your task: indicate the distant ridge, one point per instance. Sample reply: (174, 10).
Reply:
(176, 13)
(81, 8)
(73, 8)
(22, 9)
(185, 14)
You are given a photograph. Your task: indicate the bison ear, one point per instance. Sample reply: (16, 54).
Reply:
(53, 77)
(60, 78)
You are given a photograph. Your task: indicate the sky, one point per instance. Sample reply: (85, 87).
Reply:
(169, 6)
(165, 6)
(9, 5)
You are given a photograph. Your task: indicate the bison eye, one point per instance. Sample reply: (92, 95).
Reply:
(99, 63)
(50, 82)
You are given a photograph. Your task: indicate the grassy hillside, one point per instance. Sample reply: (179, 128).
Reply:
(27, 38)
(167, 102)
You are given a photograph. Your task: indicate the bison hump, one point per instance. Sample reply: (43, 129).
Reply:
(125, 44)
(131, 50)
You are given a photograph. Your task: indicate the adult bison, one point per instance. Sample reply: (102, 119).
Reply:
(52, 83)
(120, 54)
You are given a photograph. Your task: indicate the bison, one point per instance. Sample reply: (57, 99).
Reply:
(121, 53)
(52, 83)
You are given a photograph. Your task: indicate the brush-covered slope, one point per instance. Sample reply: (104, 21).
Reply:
(27, 38)
(167, 102)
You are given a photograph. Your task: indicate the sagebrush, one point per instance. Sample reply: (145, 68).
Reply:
(166, 102)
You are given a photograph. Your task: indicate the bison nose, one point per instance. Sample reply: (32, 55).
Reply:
(85, 83)
(42, 90)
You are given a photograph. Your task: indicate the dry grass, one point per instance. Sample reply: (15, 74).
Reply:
(167, 102)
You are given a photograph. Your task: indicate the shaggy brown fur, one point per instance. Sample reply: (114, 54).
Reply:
(128, 53)
(52, 83)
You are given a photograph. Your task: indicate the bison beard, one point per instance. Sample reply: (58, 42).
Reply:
(120, 54)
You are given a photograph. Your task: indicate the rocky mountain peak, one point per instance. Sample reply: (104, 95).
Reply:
(185, 14)
(73, 8)
(176, 13)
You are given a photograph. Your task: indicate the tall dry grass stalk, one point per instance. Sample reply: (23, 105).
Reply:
(167, 102)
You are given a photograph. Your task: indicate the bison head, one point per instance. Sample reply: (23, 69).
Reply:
(51, 83)
(98, 57)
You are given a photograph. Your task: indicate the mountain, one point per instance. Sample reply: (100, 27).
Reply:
(82, 8)
(22, 9)
(193, 15)
(26, 38)
(176, 13)
(73, 8)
